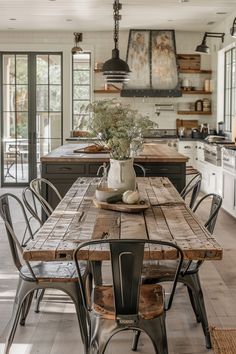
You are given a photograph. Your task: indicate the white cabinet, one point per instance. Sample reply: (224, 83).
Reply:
(188, 148)
(229, 192)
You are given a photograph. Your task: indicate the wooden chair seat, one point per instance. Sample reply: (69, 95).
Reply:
(52, 272)
(158, 269)
(151, 301)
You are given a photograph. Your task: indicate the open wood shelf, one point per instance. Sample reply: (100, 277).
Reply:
(194, 113)
(195, 71)
(196, 92)
(107, 91)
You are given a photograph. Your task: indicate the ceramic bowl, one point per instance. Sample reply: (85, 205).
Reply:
(102, 193)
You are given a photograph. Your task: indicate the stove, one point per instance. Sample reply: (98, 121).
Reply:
(212, 154)
(229, 158)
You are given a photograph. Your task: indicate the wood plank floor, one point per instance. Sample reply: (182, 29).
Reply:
(55, 329)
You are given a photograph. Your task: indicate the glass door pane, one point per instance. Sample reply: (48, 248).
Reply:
(48, 103)
(15, 115)
(31, 113)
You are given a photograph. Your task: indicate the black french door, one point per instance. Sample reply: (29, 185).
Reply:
(31, 113)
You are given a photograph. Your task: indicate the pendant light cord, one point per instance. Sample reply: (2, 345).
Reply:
(117, 17)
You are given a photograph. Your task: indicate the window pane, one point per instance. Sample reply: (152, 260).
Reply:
(8, 69)
(81, 92)
(81, 77)
(22, 98)
(81, 61)
(78, 105)
(42, 98)
(9, 125)
(55, 125)
(8, 98)
(81, 121)
(21, 69)
(42, 69)
(55, 98)
(55, 69)
(22, 125)
(81, 88)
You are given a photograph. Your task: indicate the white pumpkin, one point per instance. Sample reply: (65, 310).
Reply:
(130, 197)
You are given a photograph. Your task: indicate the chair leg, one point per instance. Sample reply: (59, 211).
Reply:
(193, 282)
(193, 305)
(40, 294)
(135, 340)
(82, 319)
(25, 308)
(23, 290)
(156, 331)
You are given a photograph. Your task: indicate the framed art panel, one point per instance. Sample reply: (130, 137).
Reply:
(139, 59)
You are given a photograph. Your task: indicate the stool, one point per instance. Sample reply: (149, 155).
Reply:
(190, 170)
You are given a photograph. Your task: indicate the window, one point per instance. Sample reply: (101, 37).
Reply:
(81, 81)
(229, 88)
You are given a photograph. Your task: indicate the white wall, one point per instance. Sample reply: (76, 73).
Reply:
(217, 62)
(101, 44)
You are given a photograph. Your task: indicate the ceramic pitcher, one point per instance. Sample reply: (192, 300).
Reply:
(121, 175)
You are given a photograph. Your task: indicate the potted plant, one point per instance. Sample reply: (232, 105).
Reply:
(120, 128)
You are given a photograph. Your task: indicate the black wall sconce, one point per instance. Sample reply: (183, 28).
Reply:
(203, 47)
(78, 37)
(233, 29)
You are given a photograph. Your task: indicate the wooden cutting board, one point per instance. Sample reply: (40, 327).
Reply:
(187, 124)
(126, 208)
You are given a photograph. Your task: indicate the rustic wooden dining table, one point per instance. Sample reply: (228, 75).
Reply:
(77, 219)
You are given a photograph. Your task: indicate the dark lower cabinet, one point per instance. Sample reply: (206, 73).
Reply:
(63, 175)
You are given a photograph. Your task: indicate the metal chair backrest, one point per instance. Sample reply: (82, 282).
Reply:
(216, 202)
(32, 203)
(126, 257)
(16, 245)
(40, 186)
(192, 189)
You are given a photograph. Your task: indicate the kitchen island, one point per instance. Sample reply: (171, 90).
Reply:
(63, 166)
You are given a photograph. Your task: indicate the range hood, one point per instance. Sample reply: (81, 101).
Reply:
(151, 56)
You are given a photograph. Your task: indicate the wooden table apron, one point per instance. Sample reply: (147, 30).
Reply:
(76, 219)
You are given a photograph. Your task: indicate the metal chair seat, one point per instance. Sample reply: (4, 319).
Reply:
(151, 302)
(51, 271)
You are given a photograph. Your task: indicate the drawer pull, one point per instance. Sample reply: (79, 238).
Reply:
(65, 168)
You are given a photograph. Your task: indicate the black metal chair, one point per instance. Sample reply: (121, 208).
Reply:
(192, 189)
(57, 275)
(40, 187)
(126, 304)
(189, 273)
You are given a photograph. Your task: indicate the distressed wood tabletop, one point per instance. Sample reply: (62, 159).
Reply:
(168, 218)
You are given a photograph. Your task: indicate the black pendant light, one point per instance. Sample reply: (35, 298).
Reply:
(115, 69)
(78, 38)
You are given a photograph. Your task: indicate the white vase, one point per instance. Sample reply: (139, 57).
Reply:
(121, 175)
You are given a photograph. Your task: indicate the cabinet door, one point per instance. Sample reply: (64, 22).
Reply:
(212, 182)
(187, 148)
(228, 191)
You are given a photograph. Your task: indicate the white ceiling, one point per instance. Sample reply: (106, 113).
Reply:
(90, 15)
